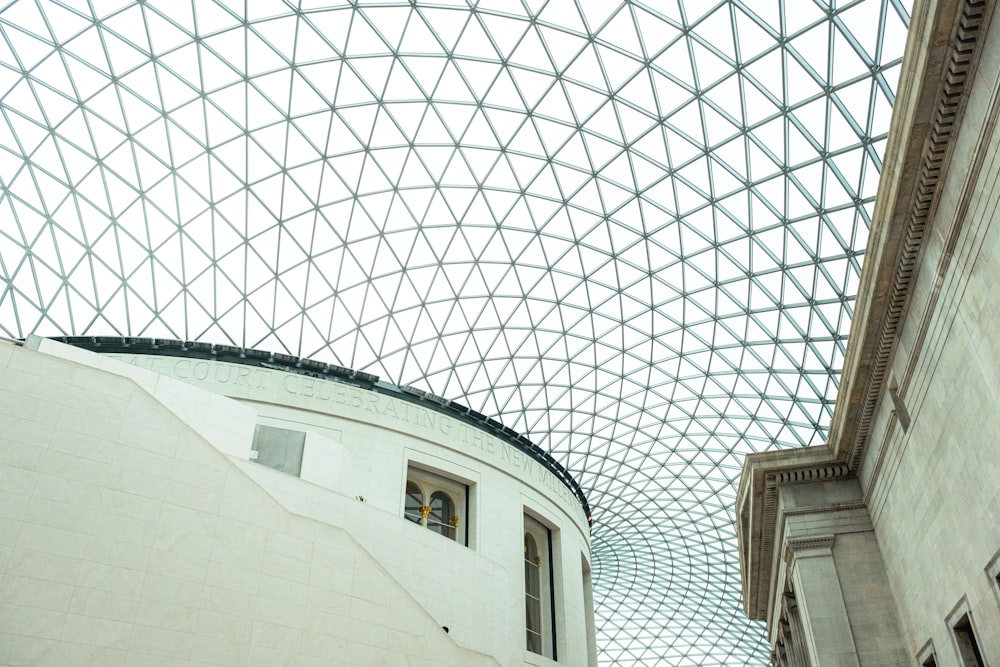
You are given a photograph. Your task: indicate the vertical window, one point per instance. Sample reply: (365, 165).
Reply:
(968, 647)
(588, 610)
(539, 601)
(278, 448)
(926, 657)
(414, 502)
(532, 594)
(437, 503)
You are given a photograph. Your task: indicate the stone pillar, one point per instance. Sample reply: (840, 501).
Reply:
(778, 656)
(785, 644)
(829, 641)
(814, 568)
(790, 609)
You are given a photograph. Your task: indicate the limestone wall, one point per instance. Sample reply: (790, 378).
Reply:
(933, 489)
(135, 531)
(918, 412)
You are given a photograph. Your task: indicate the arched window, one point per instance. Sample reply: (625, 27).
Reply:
(442, 518)
(532, 595)
(539, 592)
(437, 503)
(414, 501)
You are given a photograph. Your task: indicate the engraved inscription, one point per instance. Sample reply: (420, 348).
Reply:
(388, 407)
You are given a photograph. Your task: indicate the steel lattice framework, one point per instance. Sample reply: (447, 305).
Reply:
(631, 231)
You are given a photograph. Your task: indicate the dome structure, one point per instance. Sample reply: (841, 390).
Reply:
(632, 232)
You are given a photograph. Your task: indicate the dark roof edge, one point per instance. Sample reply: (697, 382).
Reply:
(318, 369)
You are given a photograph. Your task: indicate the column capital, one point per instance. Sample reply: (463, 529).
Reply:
(807, 547)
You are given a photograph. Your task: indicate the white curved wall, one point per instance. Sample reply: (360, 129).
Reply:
(358, 443)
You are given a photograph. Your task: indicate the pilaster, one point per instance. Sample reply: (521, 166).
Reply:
(829, 641)
(797, 637)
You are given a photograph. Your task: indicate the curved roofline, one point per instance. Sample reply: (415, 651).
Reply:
(302, 366)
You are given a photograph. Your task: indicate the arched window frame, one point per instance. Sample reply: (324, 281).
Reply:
(533, 603)
(414, 502)
(435, 486)
(540, 566)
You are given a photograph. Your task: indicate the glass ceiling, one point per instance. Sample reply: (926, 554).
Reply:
(632, 232)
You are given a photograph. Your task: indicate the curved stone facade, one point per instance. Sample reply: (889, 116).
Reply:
(230, 561)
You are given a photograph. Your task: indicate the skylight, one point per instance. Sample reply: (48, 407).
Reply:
(632, 232)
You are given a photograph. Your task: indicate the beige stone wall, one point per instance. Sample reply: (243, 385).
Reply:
(870, 604)
(831, 563)
(918, 413)
(126, 538)
(934, 489)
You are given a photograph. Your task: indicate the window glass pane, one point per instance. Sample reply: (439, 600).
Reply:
(414, 501)
(532, 595)
(531, 577)
(442, 518)
(279, 448)
(438, 503)
(534, 639)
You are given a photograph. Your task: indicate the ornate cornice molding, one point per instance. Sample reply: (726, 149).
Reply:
(947, 113)
(838, 507)
(943, 50)
(758, 508)
(796, 545)
(810, 474)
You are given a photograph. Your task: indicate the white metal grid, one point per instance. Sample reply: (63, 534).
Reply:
(631, 231)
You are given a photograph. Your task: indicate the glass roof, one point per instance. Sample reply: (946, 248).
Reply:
(631, 231)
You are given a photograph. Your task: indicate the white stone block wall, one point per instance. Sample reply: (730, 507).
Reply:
(933, 488)
(830, 560)
(127, 537)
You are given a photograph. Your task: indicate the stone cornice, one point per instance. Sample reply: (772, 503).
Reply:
(941, 55)
(159, 347)
(798, 545)
(942, 51)
(757, 508)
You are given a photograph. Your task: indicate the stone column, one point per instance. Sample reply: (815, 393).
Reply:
(778, 656)
(829, 641)
(785, 644)
(797, 638)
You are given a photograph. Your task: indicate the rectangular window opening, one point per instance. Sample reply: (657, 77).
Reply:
(968, 647)
(993, 575)
(588, 610)
(926, 657)
(539, 589)
(278, 448)
(437, 503)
